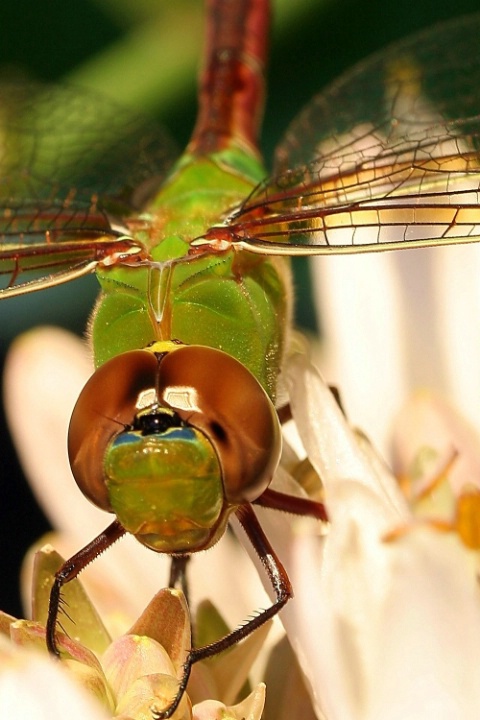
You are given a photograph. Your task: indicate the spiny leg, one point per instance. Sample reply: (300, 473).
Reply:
(283, 592)
(70, 570)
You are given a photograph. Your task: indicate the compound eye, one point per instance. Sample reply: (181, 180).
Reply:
(215, 393)
(107, 404)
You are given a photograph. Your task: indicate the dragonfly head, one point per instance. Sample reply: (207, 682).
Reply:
(172, 439)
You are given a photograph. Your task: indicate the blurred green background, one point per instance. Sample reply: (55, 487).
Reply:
(145, 54)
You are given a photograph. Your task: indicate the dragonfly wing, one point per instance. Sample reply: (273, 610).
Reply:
(45, 243)
(386, 157)
(72, 167)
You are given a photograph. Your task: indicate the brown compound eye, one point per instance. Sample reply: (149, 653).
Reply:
(108, 402)
(215, 393)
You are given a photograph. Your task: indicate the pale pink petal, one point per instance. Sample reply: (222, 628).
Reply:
(376, 631)
(358, 301)
(457, 298)
(34, 687)
(250, 708)
(388, 631)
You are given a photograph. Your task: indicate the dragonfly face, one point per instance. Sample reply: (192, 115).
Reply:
(172, 439)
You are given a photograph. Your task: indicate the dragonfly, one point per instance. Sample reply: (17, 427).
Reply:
(178, 428)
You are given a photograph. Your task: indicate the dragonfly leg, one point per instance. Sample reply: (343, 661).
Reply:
(283, 592)
(292, 504)
(336, 394)
(70, 570)
(284, 413)
(178, 573)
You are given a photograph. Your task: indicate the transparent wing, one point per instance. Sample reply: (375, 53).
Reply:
(72, 167)
(386, 157)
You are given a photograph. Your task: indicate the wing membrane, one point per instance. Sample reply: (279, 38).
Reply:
(56, 139)
(385, 158)
(34, 260)
(70, 168)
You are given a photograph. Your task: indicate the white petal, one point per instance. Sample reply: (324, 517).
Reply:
(45, 371)
(359, 305)
(338, 456)
(330, 443)
(390, 631)
(376, 631)
(36, 688)
(373, 628)
(457, 295)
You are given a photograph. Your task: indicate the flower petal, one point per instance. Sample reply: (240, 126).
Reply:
(331, 445)
(81, 622)
(457, 301)
(287, 695)
(359, 301)
(152, 693)
(132, 657)
(427, 421)
(34, 687)
(387, 630)
(166, 619)
(249, 709)
(43, 365)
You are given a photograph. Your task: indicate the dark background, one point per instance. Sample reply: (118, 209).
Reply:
(63, 41)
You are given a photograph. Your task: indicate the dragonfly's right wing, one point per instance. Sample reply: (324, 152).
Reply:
(72, 167)
(387, 157)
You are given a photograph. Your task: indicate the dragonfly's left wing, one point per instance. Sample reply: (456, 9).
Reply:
(387, 157)
(72, 167)
(45, 243)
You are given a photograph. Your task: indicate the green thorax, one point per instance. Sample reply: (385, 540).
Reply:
(233, 300)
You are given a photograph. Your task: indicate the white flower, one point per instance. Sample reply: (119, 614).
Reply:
(384, 630)
(32, 686)
(386, 615)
